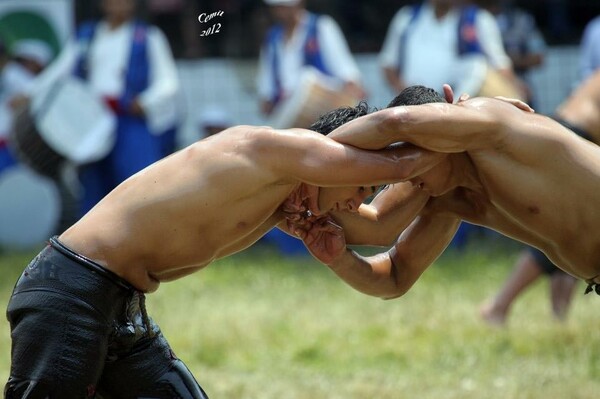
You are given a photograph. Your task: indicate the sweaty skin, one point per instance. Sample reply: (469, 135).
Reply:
(516, 172)
(582, 108)
(221, 194)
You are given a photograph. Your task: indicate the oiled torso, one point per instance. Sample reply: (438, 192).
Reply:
(202, 203)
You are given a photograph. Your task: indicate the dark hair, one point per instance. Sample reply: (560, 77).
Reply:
(416, 95)
(337, 117)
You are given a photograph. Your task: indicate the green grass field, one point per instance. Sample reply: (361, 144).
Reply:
(258, 325)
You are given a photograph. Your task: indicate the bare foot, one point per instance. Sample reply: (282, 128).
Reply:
(492, 316)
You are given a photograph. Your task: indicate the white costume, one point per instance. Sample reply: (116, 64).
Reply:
(333, 48)
(429, 54)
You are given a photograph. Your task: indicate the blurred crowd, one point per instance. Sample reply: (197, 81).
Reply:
(364, 23)
(116, 79)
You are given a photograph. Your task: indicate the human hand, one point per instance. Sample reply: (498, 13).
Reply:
(18, 102)
(449, 95)
(324, 239)
(136, 108)
(517, 103)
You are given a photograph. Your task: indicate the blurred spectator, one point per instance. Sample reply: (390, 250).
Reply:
(301, 41)
(523, 41)
(32, 54)
(28, 57)
(130, 65)
(6, 158)
(440, 41)
(213, 119)
(590, 49)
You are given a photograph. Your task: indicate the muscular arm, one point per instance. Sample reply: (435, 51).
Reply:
(436, 127)
(389, 274)
(318, 160)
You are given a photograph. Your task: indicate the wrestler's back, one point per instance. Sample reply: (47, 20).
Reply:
(206, 201)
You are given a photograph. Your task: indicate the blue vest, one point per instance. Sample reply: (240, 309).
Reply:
(311, 49)
(468, 43)
(138, 69)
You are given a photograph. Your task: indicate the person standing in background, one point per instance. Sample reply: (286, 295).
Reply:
(523, 41)
(301, 40)
(6, 158)
(440, 41)
(18, 69)
(130, 65)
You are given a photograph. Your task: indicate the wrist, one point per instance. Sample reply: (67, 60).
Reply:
(341, 260)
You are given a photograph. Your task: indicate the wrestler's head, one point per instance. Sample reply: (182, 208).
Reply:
(416, 95)
(118, 11)
(436, 181)
(339, 198)
(286, 12)
(331, 120)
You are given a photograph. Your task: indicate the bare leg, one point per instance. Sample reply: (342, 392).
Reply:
(562, 286)
(526, 271)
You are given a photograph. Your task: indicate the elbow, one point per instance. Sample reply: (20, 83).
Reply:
(394, 292)
(395, 118)
(399, 275)
(392, 296)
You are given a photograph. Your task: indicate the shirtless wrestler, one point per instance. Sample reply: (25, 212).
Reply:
(77, 313)
(580, 112)
(517, 172)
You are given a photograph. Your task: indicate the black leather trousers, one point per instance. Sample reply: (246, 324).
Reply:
(80, 331)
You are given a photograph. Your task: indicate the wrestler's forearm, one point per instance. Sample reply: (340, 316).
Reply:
(420, 245)
(391, 274)
(435, 127)
(370, 275)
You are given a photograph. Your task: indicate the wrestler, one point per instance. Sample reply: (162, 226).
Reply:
(580, 112)
(507, 168)
(77, 314)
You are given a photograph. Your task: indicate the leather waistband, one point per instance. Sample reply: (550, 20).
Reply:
(58, 269)
(90, 264)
